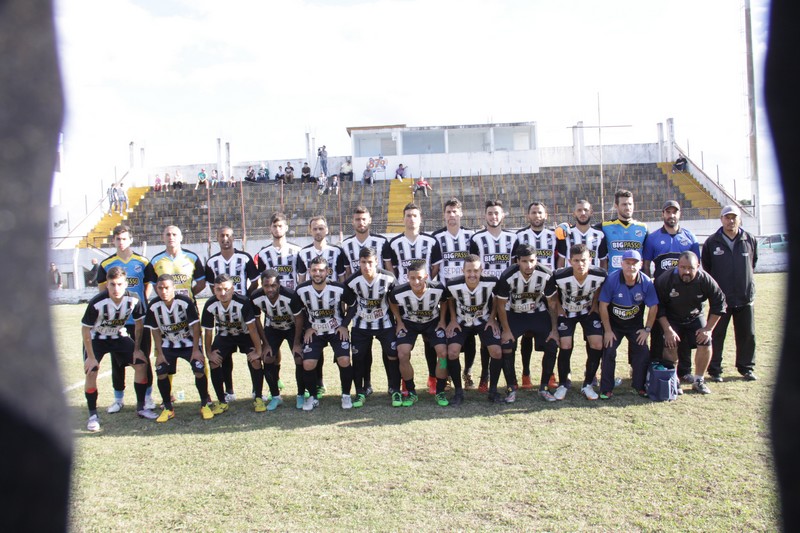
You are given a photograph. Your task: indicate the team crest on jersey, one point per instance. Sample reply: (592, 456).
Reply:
(137, 268)
(674, 294)
(638, 297)
(718, 251)
(638, 233)
(683, 241)
(597, 324)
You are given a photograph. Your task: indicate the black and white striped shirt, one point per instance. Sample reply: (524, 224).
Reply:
(521, 295)
(544, 243)
(576, 298)
(473, 306)
(283, 259)
(402, 252)
(494, 252)
(323, 308)
(418, 309)
(107, 319)
(174, 322)
(333, 254)
(231, 321)
(454, 249)
(351, 247)
(240, 267)
(368, 306)
(281, 313)
(594, 239)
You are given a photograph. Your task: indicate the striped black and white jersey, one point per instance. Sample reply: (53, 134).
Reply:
(280, 313)
(402, 252)
(367, 303)
(323, 308)
(454, 249)
(333, 254)
(283, 259)
(174, 322)
(230, 321)
(521, 295)
(544, 242)
(240, 267)
(473, 306)
(418, 309)
(351, 247)
(107, 319)
(494, 252)
(594, 239)
(576, 298)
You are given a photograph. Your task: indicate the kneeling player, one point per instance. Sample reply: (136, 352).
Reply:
(175, 325)
(418, 309)
(103, 331)
(233, 318)
(522, 309)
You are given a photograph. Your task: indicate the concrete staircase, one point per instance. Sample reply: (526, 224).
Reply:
(101, 233)
(697, 196)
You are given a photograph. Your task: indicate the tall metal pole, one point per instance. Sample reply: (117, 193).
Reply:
(602, 180)
(751, 112)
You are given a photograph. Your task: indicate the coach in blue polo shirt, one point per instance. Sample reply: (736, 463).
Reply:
(623, 299)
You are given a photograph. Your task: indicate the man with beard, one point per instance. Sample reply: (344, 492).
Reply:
(623, 233)
(583, 233)
(318, 228)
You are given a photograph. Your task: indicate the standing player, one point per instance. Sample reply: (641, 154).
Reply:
(419, 309)
(469, 299)
(574, 291)
(318, 228)
(283, 321)
(185, 266)
(583, 233)
(232, 319)
(623, 233)
(662, 249)
(493, 245)
(366, 295)
(323, 301)
(175, 325)
(103, 331)
(240, 267)
(544, 242)
(280, 255)
(454, 242)
(134, 266)
(521, 309)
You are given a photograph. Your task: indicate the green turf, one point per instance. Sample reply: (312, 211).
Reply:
(700, 463)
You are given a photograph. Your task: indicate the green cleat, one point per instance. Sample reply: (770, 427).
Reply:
(359, 401)
(321, 391)
(410, 400)
(442, 400)
(397, 399)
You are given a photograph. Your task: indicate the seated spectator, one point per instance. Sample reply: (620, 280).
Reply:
(322, 183)
(166, 182)
(250, 174)
(305, 174)
(334, 187)
(680, 164)
(157, 184)
(202, 179)
(232, 181)
(368, 177)
(178, 180)
(346, 170)
(280, 177)
(422, 185)
(214, 178)
(400, 173)
(288, 172)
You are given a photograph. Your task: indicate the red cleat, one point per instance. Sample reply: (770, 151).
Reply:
(483, 386)
(553, 383)
(526, 382)
(431, 385)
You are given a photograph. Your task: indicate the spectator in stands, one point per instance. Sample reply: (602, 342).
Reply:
(112, 199)
(400, 173)
(232, 181)
(280, 177)
(680, 164)
(202, 179)
(166, 182)
(346, 170)
(322, 183)
(263, 174)
(178, 180)
(214, 178)
(322, 154)
(288, 172)
(157, 184)
(91, 274)
(250, 174)
(305, 174)
(334, 187)
(55, 277)
(422, 185)
(122, 199)
(368, 177)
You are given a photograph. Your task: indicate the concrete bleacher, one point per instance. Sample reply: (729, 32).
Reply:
(200, 212)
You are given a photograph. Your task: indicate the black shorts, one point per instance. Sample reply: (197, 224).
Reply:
(228, 344)
(313, 349)
(276, 337)
(688, 332)
(146, 338)
(429, 331)
(121, 350)
(537, 325)
(590, 323)
(361, 340)
(172, 355)
(486, 335)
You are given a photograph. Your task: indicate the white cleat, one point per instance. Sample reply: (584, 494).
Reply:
(94, 424)
(115, 407)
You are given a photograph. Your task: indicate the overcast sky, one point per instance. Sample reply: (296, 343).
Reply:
(174, 75)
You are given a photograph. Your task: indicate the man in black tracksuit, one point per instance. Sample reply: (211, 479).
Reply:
(730, 256)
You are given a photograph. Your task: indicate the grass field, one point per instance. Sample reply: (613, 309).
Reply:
(700, 463)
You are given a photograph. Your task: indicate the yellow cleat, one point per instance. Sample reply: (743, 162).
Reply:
(258, 405)
(218, 408)
(205, 413)
(166, 415)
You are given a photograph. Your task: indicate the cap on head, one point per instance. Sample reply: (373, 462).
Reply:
(730, 210)
(671, 203)
(631, 254)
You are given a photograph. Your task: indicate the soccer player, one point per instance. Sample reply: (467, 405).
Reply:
(318, 229)
(175, 325)
(103, 331)
(574, 291)
(623, 298)
(521, 309)
(682, 293)
(323, 301)
(366, 295)
(242, 270)
(582, 232)
(362, 238)
(283, 321)
(544, 242)
(662, 249)
(623, 233)
(469, 300)
(230, 319)
(280, 254)
(185, 266)
(134, 266)
(419, 309)
(493, 245)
